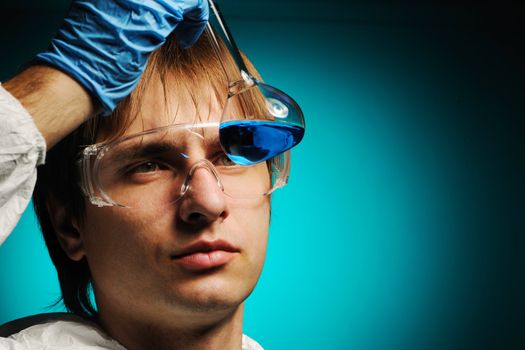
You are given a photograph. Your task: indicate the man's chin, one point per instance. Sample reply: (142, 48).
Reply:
(210, 295)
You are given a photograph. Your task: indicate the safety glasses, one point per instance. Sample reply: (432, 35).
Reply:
(157, 167)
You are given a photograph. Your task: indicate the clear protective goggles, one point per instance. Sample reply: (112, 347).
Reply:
(246, 155)
(157, 167)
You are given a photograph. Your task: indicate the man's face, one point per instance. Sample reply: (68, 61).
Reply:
(131, 252)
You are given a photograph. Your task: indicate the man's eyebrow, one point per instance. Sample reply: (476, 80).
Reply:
(140, 150)
(212, 142)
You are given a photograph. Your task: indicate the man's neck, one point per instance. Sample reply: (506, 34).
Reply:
(222, 332)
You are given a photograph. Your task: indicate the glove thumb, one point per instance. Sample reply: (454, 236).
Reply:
(191, 27)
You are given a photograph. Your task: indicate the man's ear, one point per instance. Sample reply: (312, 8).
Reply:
(67, 231)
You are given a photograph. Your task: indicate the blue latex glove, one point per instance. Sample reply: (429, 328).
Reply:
(105, 44)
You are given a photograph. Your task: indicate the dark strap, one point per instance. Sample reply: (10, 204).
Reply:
(20, 324)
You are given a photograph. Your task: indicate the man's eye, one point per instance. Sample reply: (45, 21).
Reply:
(146, 167)
(223, 160)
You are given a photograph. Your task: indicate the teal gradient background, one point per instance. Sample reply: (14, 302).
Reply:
(402, 225)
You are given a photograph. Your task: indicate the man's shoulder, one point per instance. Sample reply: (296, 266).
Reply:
(62, 332)
(250, 344)
(67, 331)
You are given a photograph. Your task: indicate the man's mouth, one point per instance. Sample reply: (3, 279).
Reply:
(205, 255)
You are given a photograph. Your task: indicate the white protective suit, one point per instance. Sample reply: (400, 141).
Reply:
(72, 334)
(22, 149)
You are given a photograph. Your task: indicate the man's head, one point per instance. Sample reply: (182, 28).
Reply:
(131, 255)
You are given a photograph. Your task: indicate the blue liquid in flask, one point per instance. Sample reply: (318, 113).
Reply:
(250, 142)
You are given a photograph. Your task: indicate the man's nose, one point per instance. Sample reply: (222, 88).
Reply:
(204, 200)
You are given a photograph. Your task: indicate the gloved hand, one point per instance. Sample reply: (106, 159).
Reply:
(105, 44)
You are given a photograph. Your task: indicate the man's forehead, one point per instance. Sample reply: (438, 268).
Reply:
(163, 104)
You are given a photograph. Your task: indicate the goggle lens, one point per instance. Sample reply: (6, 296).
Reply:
(157, 167)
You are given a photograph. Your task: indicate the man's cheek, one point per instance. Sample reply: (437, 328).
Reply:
(119, 240)
(255, 213)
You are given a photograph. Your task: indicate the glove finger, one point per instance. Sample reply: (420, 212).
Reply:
(189, 30)
(188, 33)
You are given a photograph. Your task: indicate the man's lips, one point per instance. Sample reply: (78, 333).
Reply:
(206, 255)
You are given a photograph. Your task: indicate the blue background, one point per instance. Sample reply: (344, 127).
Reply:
(402, 226)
